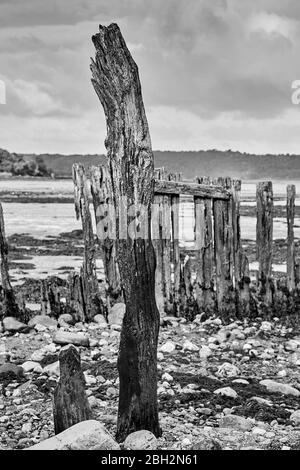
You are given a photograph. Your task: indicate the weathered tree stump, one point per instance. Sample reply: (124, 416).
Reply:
(75, 297)
(10, 306)
(70, 405)
(130, 169)
(188, 304)
(50, 298)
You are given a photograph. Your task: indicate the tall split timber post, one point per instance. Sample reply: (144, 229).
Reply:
(264, 238)
(131, 170)
(290, 214)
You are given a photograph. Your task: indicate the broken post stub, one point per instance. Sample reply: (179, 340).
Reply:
(70, 404)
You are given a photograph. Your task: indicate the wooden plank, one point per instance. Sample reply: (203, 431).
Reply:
(223, 252)
(105, 224)
(193, 189)
(175, 201)
(92, 300)
(204, 288)
(157, 234)
(264, 237)
(236, 231)
(290, 214)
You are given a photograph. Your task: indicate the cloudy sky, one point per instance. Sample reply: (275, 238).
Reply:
(214, 73)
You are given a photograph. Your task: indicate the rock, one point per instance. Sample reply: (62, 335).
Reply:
(292, 345)
(100, 320)
(235, 422)
(240, 381)
(65, 337)
(266, 326)
(140, 440)
(45, 354)
(206, 443)
(227, 370)
(65, 318)
(30, 366)
(226, 392)
(93, 401)
(167, 377)
(12, 325)
(189, 346)
(52, 369)
(43, 320)
(168, 347)
(295, 417)
(223, 336)
(262, 401)
(116, 314)
(11, 371)
(277, 387)
(205, 352)
(87, 435)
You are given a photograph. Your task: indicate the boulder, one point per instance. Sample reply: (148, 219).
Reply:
(227, 370)
(167, 347)
(226, 392)
(116, 314)
(52, 369)
(66, 337)
(10, 370)
(235, 422)
(189, 346)
(100, 320)
(277, 387)
(206, 443)
(205, 352)
(13, 325)
(45, 355)
(295, 417)
(43, 320)
(87, 435)
(140, 440)
(31, 366)
(65, 318)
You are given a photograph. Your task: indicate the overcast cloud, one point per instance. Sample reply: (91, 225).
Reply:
(215, 73)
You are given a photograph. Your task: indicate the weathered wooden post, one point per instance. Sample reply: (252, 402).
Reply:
(264, 238)
(9, 305)
(130, 168)
(175, 200)
(223, 251)
(92, 301)
(105, 223)
(158, 232)
(70, 404)
(236, 231)
(290, 215)
(204, 246)
(50, 298)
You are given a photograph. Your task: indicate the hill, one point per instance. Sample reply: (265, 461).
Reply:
(196, 163)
